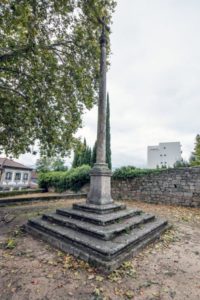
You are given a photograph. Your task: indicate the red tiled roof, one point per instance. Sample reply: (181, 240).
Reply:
(5, 162)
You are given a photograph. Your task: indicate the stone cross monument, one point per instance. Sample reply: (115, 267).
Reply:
(99, 231)
(100, 175)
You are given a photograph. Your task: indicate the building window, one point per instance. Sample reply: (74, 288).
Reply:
(17, 176)
(25, 176)
(8, 175)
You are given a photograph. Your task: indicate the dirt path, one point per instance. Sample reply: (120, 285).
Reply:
(167, 269)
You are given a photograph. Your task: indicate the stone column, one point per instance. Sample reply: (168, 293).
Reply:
(100, 190)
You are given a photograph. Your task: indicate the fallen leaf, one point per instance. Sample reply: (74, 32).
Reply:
(118, 292)
(99, 278)
(129, 294)
(97, 292)
(34, 282)
(10, 244)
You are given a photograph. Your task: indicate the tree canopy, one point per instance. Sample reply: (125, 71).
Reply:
(45, 164)
(195, 157)
(49, 71)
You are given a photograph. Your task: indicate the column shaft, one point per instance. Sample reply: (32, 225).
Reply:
(101, 129)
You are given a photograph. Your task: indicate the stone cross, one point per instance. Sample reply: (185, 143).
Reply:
(100, 175)
(121, 232)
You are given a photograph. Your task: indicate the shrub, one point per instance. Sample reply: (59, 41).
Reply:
(181, 164)
(131, 172)
(73, 179)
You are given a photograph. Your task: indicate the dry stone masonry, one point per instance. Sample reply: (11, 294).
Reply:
(173, 186)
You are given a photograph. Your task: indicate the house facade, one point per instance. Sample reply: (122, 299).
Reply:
(13, 175)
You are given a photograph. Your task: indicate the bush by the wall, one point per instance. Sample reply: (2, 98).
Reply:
(73, 179)
(131, 172)
(76, 178)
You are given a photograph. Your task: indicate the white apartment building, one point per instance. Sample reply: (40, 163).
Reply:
(163, 155)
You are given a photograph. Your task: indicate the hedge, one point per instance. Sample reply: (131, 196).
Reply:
(132, 172)
(75, 178)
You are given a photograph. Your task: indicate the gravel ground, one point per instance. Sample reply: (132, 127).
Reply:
(167, 269)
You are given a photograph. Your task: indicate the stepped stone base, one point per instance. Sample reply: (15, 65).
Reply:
(103, 235)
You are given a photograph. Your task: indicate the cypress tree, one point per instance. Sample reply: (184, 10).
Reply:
(82, 156)
(83, 153)
(89, 154)
(108, 137)
(75, 162)
(94, 154)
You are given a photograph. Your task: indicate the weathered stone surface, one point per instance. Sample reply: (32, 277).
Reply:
(99, 209)
(100, 186)
(104, 219)
(105, 249)
(89, 256)
(99, 231)
(173, 186)
(104, 240)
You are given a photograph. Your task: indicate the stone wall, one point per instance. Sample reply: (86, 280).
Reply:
(174, 186)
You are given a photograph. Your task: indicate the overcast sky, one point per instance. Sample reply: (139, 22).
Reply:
(153, 80)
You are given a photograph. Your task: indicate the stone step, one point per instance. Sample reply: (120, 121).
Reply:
(91, 248)
(107, 232)
(103, 219)
(99, 209)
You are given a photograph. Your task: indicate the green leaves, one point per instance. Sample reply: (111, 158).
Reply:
(195, 158)
(82, 155)
(73, 179)
(11, 244)
(131, 172)
(46, 164)
(49, 70)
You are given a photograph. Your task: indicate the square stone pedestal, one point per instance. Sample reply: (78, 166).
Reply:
(100, 186)
(103, 235)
